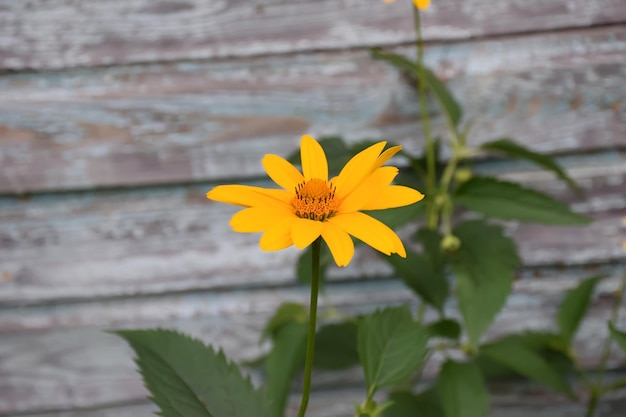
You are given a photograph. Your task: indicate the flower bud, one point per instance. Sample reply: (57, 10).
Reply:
(462, 175)
(450, 243)
(441, 200)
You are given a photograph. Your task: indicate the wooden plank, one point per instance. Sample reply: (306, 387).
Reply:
(80, 33)
(518, 401)
(58, 357)
(146, 241)
(197, 121)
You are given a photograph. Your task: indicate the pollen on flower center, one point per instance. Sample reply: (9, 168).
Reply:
(315, 200)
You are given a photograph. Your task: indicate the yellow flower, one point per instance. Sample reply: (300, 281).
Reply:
(309, 205)
(420, 4)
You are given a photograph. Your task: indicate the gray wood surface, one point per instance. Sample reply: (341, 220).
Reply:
(58, 357)
(146, 241)
(116, 117)
(339, 403)
(196, 121)
(62, 33)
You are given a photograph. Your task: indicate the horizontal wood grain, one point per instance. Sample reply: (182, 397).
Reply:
(513, 401)
(197, 121)
(58, 357)
(66, 33)
(155, 240)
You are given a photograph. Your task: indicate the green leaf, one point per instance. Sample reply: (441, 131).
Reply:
(391, 346)
(418, 273)
(282, 363)
(431, 243)
(446, 328)
(510, 201)
(515, 150)
(462, 390)
(285, 314)
(336, 346)
(407, 404)
(451, 107)
(574, 306)
(526, 362)
(484, 267)
(549, 346)
(618, 336)
(188, 379)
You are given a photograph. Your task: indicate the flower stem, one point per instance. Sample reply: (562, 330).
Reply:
(310, 345)
(597, 390)
(431, 212)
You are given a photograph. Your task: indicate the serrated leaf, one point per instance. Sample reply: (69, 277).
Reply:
(510, 201)
(451, 107)
(189, 379)
(391, 346)
(336, 346)
(526, 362)
(574, 306)
(431, 243)
(515, 150)
(484, 267)
(286, 313)
(282, 363)
(407, 404)
(446, 328)
(618, 336)
(549, 346)
(462, 390)
(418, 273)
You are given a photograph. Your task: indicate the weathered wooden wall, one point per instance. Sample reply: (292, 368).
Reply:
(116, 117)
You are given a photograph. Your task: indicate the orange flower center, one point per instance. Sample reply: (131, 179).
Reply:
(315, 200)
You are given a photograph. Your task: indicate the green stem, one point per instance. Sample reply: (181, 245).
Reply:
(431, 212)
(614, 386)
(310, 346)
(593, 402)
(421, 310)
(606, 353)
(597, 390)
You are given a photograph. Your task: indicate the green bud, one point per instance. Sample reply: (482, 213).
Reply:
(441, 200)
(462, 175)
(450, 243)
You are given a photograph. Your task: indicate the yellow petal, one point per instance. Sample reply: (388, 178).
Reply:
(385, 156)
(370, 231)
(393, 196)
(357, 169)
(305, 231)
(421, 4)
(282, 172)
(257, 219)
(248, 196)
(278, 236)
(339, 242)
(368, 189)
(313, 158)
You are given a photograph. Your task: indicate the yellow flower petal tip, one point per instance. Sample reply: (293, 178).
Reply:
(308, 205)
(420, 4)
